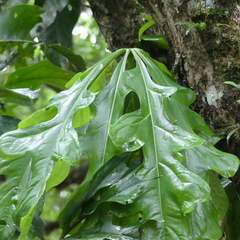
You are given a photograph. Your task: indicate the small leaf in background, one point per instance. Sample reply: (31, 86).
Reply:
(226, 25)
(60, 30)
(231, 133)
(145, 27)
(149, 17)
(17, 21)
(21, 96)
(201, 25)
(233, 84)
(51, 8)
(152, 41)
(75, 59)
(39, 73)
(65, 18)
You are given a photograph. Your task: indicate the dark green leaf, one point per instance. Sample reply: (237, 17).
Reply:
(233, 214)
(38, 74)
(17, 21)
(163, 181)
(155, 41)
(60, 30)
(51, 9)
(7, 124)
(110, 183)
(21, 96)
(76, 59)
(110, 100)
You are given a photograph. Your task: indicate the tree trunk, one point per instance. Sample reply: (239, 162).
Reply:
(202, 59)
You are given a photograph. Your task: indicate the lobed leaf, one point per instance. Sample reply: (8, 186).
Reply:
(153, 170)
(107, 106)
(174, 193)
(29, 152)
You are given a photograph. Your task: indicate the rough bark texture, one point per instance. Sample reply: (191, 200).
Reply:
(119, 21)
(202, 59)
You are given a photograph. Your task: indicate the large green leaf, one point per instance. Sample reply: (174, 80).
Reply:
(36, 75)
(114, 181)
(28, 152)
(174, 178)
(201, 160)
(108, 103)
(17, 21)
(153, 170)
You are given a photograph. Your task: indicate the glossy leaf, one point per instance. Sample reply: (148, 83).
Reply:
(175, 178)
(110, 181)
(153, 170)
(17, 21)
(144, 28)
(110, 100)
(155, 41)
(28, 152)
(60, 171)
(21, 96)
(36, 75)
